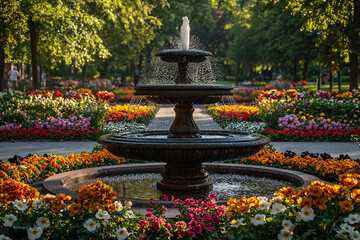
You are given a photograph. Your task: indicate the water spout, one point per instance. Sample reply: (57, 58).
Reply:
(185, 34)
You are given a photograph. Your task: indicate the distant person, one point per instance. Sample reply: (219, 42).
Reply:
(123, 81)
(136, 79)
(13, 75)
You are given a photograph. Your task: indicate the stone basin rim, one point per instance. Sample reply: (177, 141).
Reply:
(229, 138)
(56, 184)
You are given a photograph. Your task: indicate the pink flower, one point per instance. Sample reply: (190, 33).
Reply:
(216, 219)
(181, 233)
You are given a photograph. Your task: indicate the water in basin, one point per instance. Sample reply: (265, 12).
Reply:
(143, 186)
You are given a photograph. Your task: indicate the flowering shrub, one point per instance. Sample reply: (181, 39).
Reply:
(127, 112)
(328, 169)
(105, 96)
(60, 217)
(63, 115)
(246, 127)
(34, 166)
(226, 114)
(336, 108)
(119, 127)
(319, 211)
(291, 115)
(124, 94)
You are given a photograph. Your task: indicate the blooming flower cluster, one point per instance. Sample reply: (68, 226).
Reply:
(35, 216)
(252, 127)
(118, 127)
(126, 112)
(291, 115)
(34, 166)
(68, 115)
(319, 211)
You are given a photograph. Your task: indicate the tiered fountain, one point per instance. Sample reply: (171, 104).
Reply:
(184, 148)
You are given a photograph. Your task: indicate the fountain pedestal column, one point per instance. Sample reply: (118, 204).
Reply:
(184, 125)
(178, 177)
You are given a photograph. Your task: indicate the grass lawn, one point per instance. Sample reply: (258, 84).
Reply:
(325, 87)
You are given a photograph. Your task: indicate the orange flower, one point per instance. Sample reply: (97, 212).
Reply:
(350, 182)
(346, 206)
(320, 203)
(355, 195)
(305, 202)
(75, 209)
(315, 191)
(286, 192)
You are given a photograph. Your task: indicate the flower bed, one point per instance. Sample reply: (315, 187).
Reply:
(319, 211)
(67, 115)
(292, 116)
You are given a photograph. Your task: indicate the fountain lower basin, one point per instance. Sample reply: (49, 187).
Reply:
(61, 182)
(184, 157)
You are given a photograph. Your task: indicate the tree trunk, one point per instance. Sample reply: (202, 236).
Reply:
(83, 75)
(339, 81)
(331, 81)
(319, 78)
(148, 57)
(252, 75)
(106, 64)
(305, 70)
(76, 71)
(295, 70)
(2, 69)
(354, 47)
(237, 75)
(34, 37)
(140, 66)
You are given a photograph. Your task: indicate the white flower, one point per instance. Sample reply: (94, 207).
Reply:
(9, 220)
(276, 200)
(287, 224)
(354, 235)
(121, 233)
(20, 205)
(277, 208)
(43, 222)
(259, 219)
(263, 205)
(3, 237)
(102, 214)
(306, 214)
(352, 218)
(285, 234)
(37, 203)
(129, 214)
(90, 225)
(118, 206)
(128, 204)
(345, 228)
(34, 233)
(237, 222)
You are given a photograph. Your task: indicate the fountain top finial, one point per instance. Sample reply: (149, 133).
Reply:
(185, 33)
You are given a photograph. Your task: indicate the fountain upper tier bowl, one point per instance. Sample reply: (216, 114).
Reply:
(174, 55)
(183, 93)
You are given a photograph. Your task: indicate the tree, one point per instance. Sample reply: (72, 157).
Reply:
(12, 29)
(322, 15)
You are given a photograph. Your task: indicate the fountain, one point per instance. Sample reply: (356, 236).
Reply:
(184, 148)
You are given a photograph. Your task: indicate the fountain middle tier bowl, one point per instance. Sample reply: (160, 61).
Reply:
(183, 93)
(155, 146)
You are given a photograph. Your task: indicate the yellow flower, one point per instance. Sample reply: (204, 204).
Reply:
(328, 120)
(322, 114)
